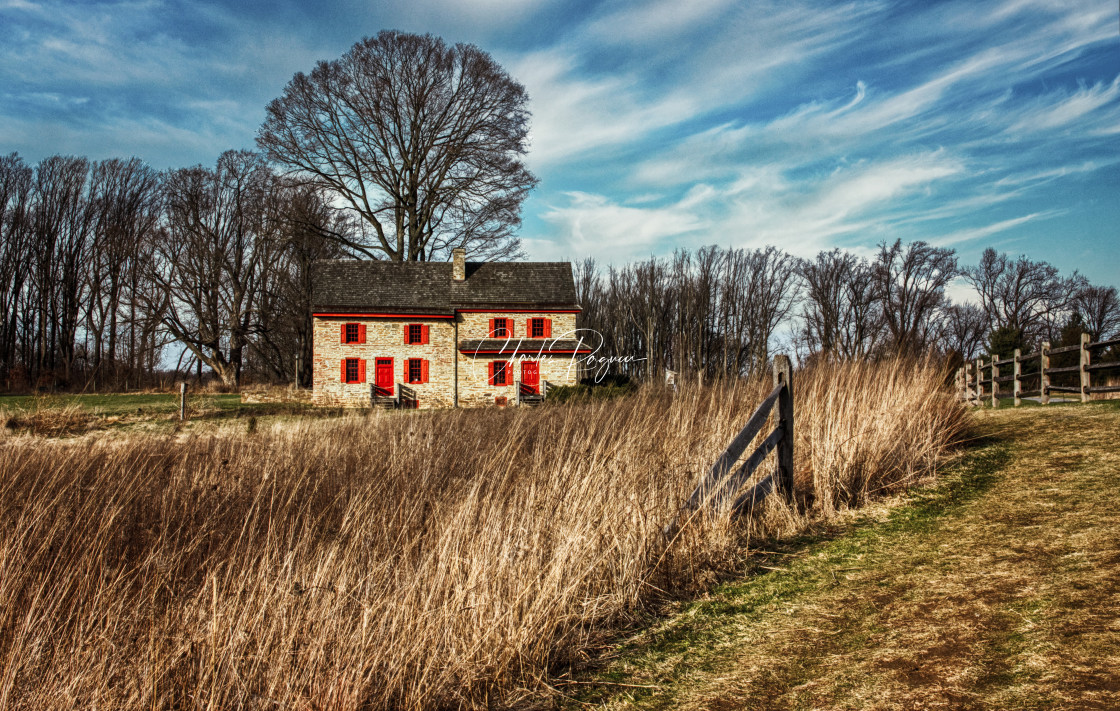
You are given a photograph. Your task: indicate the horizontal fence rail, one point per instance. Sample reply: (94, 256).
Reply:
(982, 380)
(720, 485)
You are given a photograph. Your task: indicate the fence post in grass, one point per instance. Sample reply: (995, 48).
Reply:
(182, 401)
(979, 383)
(1084, 370)
(995, 385)
(1017, 385)
(1044, 379)
(783, 375)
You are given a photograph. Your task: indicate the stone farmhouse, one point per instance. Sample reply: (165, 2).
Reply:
(439, 334)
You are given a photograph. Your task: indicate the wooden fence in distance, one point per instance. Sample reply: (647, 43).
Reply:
(973, 387)
(720, 485)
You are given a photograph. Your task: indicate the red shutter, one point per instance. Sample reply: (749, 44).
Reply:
(424, 336)
(342, 336)
(344, 367)
(511, 321)
(490, 373)
(424, 370)
(509, 372)
(361, 370)
(490, 333)
(528, 328)
(405, 334)
(547, 328)
(361, 333)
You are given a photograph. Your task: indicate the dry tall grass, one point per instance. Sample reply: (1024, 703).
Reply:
(390, 561)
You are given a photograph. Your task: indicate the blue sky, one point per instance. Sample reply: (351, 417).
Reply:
(656, 125)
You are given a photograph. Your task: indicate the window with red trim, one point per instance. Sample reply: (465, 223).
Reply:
(353, 333)
(353, 374)
(499, 372)
(415, 371)
(501, 328)
(536, 328)
(415, 334)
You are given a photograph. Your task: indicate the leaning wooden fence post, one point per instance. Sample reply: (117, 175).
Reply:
(1017, 385)
(995, 385)
(1084, 370)
(1044, 377)
(182, 401)
(783, 375)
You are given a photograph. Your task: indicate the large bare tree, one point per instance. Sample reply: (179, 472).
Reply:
(423, 141)
(1020, 296)
(910, 283)
(964, 328)
(1099, 307)
(841, 313)
(301, 219)
(15, 238)
(215, 259)
(125, 199)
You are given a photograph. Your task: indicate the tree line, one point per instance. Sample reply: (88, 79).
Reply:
(111, 271)
(113, 275)
(718, 312)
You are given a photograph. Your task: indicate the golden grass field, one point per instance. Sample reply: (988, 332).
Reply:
(402, 560)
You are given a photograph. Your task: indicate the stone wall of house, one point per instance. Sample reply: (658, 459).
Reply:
(384, 339)
(474, 387)
(476, 391)
(477, 325)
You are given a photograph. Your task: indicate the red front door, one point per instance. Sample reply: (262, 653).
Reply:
(531, 375)
(384, 379)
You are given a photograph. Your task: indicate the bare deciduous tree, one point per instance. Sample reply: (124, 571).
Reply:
(910, 282)
(61, 232)
(1018, 295)
(125, 199)
(964, 329)
(213, 263)
(302, 225)
(766, 287)
(15, 197)
(1100, 309)
(421, 140)
(841, 313)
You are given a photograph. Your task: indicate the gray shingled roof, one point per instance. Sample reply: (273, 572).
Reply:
(343, 285)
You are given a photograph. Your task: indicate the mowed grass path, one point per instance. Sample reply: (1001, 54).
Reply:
(999, 588)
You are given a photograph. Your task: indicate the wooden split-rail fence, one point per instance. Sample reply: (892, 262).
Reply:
(723, 483)
(980, 380)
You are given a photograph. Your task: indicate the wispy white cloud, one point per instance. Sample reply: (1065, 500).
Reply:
(594, 225)
(1060, 109)
(985, 231)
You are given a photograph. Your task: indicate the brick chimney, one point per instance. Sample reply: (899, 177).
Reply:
(459, 264)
